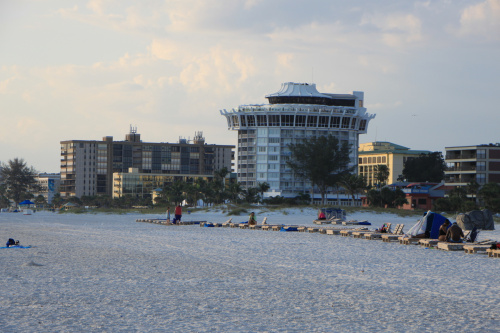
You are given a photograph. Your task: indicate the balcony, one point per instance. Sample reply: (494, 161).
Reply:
(461, 156)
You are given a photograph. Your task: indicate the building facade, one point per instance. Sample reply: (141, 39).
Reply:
(48, 185)
(296, 112)
(87, 166)
(142, 185)
(373, 154)
(466, 164)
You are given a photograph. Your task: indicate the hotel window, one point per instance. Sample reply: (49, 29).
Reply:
(353, 123)
(251, 120)
(369, 159)
(345, 122)
(481, 178)
(261, 120)
(274, 132)
(273, 157)
(274, 140)
(362, 125)
(235, 121)
(300, 121)
(243, 120)
(481, 153)
(481, 166)
(335, 122)
(274, 120)
(323, 121)
(312, 121)
(383, 159)
(360, 160)
(379, 159)
(262, 149)
(287, 120)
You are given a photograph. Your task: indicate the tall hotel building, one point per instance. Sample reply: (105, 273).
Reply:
(296, 112)
(90, 167)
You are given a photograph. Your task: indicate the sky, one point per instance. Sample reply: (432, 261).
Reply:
(82, 70)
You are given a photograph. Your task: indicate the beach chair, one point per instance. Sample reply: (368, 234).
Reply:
(471, 235)
(264, 221)
(227, 223)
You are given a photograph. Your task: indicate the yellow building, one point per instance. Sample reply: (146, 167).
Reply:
(373, 154)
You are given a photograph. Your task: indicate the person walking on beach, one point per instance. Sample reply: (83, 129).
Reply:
(178, 213)
(168, 214)
(251, 219)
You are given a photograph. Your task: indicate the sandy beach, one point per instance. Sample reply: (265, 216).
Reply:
(108, 273)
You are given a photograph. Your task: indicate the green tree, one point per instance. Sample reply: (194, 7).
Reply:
(490, 194)
(263, 187)
(174, 193)
(19, 179)
(472, 189)
(425, 168)
(321, 160)
(40, 201)
(235, 190)
(374, 198)
(57, 201)
(353, 184)
(382, 174)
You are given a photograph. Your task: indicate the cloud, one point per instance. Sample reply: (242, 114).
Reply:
(481, 20)
(397, 30)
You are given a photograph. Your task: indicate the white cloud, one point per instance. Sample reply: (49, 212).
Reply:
(481, 20)
(397, 30)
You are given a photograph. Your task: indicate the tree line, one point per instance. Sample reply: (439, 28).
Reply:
(323, 161)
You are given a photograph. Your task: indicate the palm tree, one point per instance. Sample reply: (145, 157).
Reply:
(235, 190)
(353, 184)
(382, 174)
(263, 187)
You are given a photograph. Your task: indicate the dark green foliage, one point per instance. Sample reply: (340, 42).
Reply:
(353, 184)
(490, 194)
(425, 168)
(457, 201)
(386, 198)
(382, 174)
(302, 199)
(320, 160)
(18, 179)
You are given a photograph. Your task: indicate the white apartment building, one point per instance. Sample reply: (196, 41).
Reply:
(296, 112)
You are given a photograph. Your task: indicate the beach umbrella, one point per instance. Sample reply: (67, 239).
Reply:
(26, 202)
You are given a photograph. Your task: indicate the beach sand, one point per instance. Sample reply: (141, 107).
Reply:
(108, 273)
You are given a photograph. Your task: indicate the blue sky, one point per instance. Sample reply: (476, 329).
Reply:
(430, 70)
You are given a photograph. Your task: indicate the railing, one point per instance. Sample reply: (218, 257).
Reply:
(460, 156)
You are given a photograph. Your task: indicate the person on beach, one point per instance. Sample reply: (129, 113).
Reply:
(11, 242)
(443, 230)
(454, 233)
(178, 213)
(168, 214)
(321, 216)
(251, 219)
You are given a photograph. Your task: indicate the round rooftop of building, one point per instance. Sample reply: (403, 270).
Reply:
(305, 93)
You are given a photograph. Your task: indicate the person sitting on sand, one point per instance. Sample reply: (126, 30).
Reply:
(321, 216)
(443, 229)
(454, 234)
(11, 242)
(383, 229)
(251, 219)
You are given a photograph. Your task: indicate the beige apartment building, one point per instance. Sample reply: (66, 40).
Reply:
(466, 164)
(394, 156)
